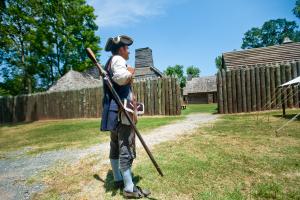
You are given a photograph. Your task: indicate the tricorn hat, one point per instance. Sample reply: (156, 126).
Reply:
(117, 42)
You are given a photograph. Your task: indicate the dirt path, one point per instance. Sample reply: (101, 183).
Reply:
(15, 171)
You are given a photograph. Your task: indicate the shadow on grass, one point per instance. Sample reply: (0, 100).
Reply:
(109, 184)
(287, 116)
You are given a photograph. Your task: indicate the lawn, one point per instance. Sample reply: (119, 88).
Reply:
(42, 136)
(48, 135)
(237, 157)
(200, 108)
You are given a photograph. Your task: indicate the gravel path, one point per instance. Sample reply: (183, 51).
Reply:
(18, 167)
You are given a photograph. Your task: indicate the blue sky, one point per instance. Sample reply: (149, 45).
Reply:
(186, 32)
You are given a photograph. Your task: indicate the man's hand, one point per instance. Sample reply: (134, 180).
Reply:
(131, 69)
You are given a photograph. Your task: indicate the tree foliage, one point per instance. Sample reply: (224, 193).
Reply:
(177, 72)
(218, 62)
(296, 10)
(193, 71)
(271, 33)
(40, 40)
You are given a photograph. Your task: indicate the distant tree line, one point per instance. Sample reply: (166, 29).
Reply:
(270, 33)
(40, 40)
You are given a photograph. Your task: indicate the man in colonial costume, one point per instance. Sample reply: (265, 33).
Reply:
(122, 144)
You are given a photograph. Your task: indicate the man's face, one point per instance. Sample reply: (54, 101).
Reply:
(124, 52)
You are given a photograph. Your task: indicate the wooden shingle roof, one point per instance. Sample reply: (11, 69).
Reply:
(201, 85)
(74, 80)
(288, 52)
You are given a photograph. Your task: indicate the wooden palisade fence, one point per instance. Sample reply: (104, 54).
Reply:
(255, 88)
(160, 97)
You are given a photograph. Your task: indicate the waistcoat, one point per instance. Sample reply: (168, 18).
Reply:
(109, 120)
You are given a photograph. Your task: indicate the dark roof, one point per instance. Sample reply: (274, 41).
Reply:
(201, 84)
(265, 55)
(147, 71)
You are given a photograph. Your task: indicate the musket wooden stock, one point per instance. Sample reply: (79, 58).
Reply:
(104, 75)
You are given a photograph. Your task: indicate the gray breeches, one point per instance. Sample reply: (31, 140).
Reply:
(122, 146)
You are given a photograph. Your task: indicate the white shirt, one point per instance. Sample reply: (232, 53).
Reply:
(120, 76)
(119, 70)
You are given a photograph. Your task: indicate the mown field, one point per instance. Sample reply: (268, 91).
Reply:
(41, 136)
(237, 157)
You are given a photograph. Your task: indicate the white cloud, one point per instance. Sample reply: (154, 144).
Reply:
(122, 13)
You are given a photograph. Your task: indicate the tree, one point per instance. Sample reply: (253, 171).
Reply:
(40, 40)
(72, 22)
(296, 10)
(271, 33)
(177, 72)
(218, 62)
(193, 71)
(17, 33)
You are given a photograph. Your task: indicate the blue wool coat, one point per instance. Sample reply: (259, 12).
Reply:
(109, 120)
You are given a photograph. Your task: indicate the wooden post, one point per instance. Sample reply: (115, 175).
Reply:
(248, 90)
(178, 98)
(229, 91)
(295, 89)
(253, 89)
(224, 91)
(263, 87)
(142, 83)
(170, 96)
(157, 98)
(163, 96)
(153, 96)
(278, 83)
(272, 85)
(159, 95)
(268, 89)
(220, 93)
(288, 74)
(167, 103)
(258, 91)
(239, 97)
(233, 87)
(174, 95)
(283, 80)
(244, 94)
(149, 97)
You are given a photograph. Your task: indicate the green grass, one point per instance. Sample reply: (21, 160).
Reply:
(43, 136)
(200, 108)
(238, 157)
(72, 133)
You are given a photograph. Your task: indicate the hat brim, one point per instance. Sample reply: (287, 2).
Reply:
(118, 41)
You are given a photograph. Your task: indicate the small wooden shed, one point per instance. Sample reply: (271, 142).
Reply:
(201, 90)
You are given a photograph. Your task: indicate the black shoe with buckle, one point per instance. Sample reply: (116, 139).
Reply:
(119, 184)
(137, 193)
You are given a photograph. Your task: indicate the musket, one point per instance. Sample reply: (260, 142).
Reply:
(116, 97)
